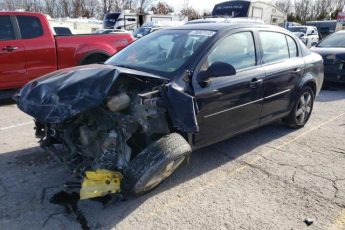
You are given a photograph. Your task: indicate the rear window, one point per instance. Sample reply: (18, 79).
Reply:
(6, 29)
(274, 46)
(30, 27)
(292, 47)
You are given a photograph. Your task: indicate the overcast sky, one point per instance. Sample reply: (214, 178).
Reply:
(200, 5)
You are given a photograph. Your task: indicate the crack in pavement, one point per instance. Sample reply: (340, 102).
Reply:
(298, 187)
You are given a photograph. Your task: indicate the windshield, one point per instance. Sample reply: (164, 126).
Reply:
(110, 19)
(298, 29)
(163, 52)
(334, 40)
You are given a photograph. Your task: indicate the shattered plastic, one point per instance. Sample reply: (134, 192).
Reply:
(65, 93)
(98, 118)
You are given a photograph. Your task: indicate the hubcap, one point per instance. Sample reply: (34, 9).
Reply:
(164, 173)
(303, 108)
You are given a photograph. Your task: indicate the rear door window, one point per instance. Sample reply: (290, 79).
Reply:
(6, 29)
(292, 47)
(30, 27)
(274, 46)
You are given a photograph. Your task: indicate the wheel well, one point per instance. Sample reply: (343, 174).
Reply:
(93, 57)
(312, 85)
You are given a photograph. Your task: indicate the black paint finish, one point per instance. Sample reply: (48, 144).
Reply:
(208, 113)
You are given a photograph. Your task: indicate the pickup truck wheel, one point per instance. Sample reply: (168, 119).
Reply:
(301, 112)
(157, 162)
(95, 59)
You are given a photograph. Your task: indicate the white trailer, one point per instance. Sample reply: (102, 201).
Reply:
(131, 21)
(76, 25)
(255, 9)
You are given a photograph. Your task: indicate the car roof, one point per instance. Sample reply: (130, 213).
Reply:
(220, 26)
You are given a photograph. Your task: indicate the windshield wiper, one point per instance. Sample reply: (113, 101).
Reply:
(128, 67)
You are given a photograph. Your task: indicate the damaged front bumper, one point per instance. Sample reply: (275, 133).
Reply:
(97, 118)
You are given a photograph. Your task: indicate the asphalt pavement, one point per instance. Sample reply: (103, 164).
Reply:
(270, 178)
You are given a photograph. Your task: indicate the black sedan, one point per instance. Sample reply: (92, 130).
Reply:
(130, 123)
(332, 49)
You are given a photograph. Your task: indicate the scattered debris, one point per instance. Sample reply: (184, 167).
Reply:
(70, 202)
(308, 221)
(100, 183)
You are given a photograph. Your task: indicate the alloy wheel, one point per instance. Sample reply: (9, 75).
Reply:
(303, 108)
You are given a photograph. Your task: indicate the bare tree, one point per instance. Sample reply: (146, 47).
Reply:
(162, 8)
(191, 13)
(284, 5)
(143, 4)
(302, 9)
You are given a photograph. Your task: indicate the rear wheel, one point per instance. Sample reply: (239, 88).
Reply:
(301, 112)
(157, 162)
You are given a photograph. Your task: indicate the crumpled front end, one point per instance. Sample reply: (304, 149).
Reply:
(97, 118)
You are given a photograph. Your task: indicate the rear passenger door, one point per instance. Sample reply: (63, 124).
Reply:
(283, 66)
(40, 51)
(12, 55)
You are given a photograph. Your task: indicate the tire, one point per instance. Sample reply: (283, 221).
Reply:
(302, 109)
(94, 59)
(155, 163)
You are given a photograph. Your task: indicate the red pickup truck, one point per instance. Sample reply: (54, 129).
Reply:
(29, 49)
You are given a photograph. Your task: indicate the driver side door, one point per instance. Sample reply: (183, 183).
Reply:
(229, 104)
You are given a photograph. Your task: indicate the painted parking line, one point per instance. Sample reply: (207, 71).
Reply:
(16, 126)
(245, 166)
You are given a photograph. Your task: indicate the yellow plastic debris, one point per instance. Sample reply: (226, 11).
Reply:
(100, 183)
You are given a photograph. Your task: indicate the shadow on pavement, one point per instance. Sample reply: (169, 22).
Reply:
(42, 178)
(331, 93)
(6, 102)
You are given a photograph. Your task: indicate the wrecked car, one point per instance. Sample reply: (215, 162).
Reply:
(127, 125)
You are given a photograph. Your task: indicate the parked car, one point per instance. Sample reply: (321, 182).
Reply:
(138, 117)
(332, 49)
(309, 35)
(326, 28)
(29, 49)
(150, 27)
(110, 31)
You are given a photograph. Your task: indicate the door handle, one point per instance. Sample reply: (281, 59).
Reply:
(9, 48)
(255, 83)
(296, 70)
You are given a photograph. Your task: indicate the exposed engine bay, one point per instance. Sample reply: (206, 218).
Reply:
(117, 129)
(109, 136)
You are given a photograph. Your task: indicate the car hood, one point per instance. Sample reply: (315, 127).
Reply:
(65, 93)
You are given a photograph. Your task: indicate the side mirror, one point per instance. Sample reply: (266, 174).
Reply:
(217, 69)
(301, 35)
(314, 44)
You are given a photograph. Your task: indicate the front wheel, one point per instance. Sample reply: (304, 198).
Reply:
(157, 162)
(301, 112)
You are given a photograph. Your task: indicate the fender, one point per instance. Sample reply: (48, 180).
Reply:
(181, 108)
(307, 79)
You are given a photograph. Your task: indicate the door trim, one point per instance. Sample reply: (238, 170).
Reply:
(252, 102)
(277, 94)
(233, 108)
